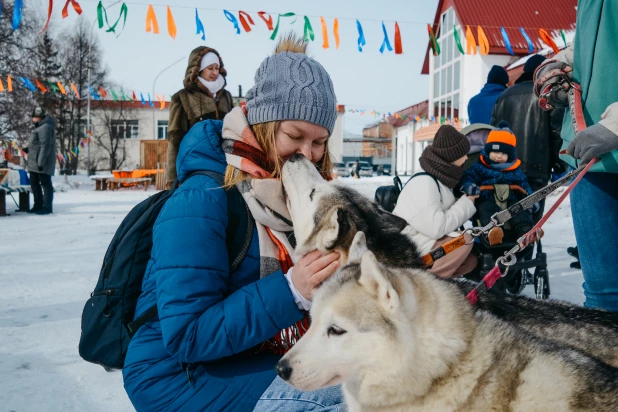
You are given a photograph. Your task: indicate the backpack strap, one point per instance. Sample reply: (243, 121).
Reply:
(239, 233)
(425, 174)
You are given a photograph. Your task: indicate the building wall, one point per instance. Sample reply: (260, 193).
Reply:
(335, 142)
(409, 151)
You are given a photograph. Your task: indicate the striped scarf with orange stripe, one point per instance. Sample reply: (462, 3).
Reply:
(266, 201)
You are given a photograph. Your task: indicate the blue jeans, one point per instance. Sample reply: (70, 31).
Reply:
(594, 205)
(281, 397)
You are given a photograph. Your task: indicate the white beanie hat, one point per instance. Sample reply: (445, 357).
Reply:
(208, 59)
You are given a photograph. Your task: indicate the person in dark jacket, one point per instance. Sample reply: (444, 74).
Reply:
(481, 105)
(498, 164)
(42, 161)
(218, 334)
(203, 97)
(537, 131)
(357, 169)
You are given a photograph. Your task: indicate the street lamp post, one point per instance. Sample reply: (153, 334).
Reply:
(154, 126)
(89, 72)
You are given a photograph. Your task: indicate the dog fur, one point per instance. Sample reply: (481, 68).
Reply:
(404, 340)
(327, 215)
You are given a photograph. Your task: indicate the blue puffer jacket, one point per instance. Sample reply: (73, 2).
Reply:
(481, 106)
(480, 175)
(197, 354)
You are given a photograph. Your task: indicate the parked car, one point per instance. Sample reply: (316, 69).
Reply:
(366, 169)
(340, 170)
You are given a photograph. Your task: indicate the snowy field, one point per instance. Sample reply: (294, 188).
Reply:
(50, 264)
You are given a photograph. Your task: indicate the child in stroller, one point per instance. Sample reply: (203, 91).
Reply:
(499, 182)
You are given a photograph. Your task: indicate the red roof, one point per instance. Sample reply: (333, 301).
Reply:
(531, 15)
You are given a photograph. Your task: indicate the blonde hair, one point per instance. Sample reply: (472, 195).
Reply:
(265, 133)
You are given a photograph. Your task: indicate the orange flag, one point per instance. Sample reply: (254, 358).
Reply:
(548, 40)
(245, 20)
(40, 86)
(171, 24)
(9, 83)
(75, 90)
(483, 42)
(336, 32)
(398, 47)
(151, 21)
(61, 87)
(324, 33)
(470, 42)
(1, 86)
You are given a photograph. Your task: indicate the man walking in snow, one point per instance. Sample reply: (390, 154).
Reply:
(42, 161)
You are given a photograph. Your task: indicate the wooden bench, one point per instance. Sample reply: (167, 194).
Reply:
(24, 198)
(100, 182)
(115, 183)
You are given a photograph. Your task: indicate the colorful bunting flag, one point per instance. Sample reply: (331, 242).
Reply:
(398, 46)
(199, 26)
(102, 14)
(308, 30)
(324, 33)
(336, 32)
(276, 30)
(268, 20)
(50, 6)
(470, 42)
(1, 85)
(150, 101)
(75, 91)
(245, 20)
(385, 43)
(102, 92)
(40, 86)
(62, 90)
(507, 42)
(171, 24)
(151, 21)
(548, 40)
(433, 43)
(458, 41)
(17, 13)
(483, 42)
(530, 45)
(361, 36)
(76, 7)
(563, 37)
(142, 97)
(233, 20)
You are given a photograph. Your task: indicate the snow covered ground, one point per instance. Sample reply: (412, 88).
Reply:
(50, 264)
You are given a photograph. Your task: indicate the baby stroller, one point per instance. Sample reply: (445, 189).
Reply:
(531, 265)
(533, 258)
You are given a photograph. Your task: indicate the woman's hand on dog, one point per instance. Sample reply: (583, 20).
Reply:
(312, 269)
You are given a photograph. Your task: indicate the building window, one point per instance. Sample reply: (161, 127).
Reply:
(125, 129)
(162, 129)
(447, 68)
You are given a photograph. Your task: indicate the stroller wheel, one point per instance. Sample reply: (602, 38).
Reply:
(515, 282)
(541, 284)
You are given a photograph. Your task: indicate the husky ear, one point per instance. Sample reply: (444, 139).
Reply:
(337, 228)
(358, 247)
(373, 279)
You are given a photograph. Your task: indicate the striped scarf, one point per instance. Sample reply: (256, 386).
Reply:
(266, 201)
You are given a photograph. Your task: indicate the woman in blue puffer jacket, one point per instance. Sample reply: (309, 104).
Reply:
(218, 335)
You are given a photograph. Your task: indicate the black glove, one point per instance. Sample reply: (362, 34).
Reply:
(592, 142)
(40, 169)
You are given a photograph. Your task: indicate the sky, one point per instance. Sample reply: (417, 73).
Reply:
(368, 80)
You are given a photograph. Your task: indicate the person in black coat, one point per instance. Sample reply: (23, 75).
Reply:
(42, 161)
(537, 131)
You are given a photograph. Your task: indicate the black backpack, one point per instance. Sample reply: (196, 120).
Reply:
(108, 322)
(386, 196)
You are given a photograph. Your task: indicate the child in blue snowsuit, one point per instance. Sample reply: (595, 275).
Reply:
(498, 164)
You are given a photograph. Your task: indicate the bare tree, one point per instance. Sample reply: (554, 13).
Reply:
(78, 52)
(17, 50)
(111, 134)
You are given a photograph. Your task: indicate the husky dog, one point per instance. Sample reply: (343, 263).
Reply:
(405, 340)
(327, 215)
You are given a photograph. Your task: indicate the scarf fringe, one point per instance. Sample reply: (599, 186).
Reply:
(282, 342)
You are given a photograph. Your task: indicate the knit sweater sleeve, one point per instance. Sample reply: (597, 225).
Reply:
(519, 178)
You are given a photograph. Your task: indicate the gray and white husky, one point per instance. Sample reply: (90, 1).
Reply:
(327, 215)
(404, 340)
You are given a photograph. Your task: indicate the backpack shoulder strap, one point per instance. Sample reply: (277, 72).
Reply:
(239, 233)
(425, 174)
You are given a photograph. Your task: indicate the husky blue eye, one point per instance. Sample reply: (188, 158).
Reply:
(335, 330)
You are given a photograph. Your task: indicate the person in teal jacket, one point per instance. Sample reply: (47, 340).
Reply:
(590, 62)
(216, 339)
